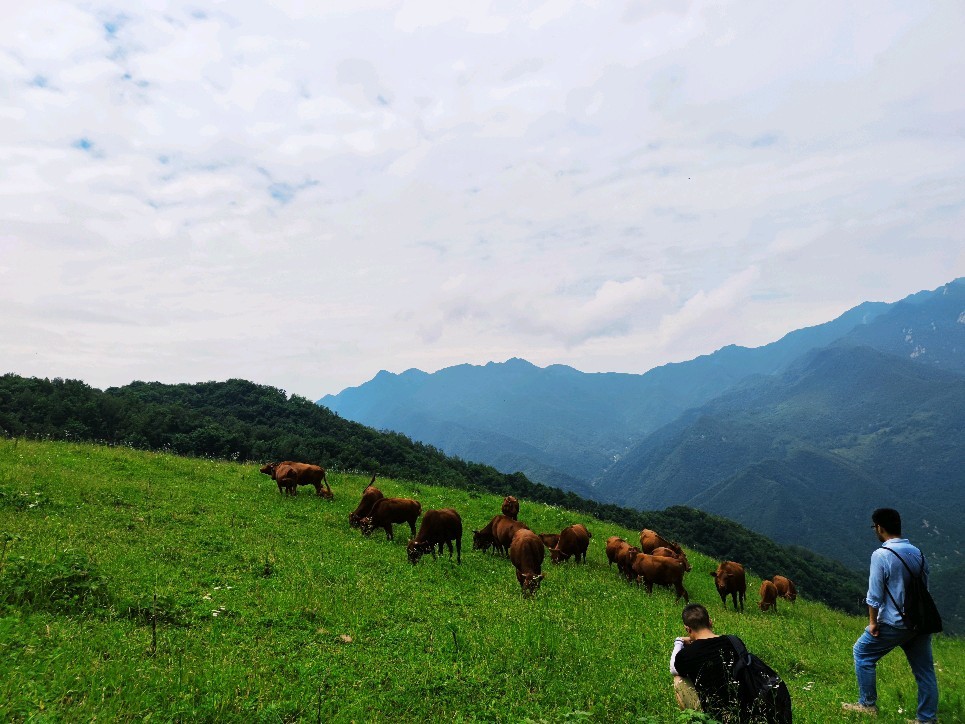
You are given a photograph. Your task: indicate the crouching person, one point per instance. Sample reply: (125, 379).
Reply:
(716, 675)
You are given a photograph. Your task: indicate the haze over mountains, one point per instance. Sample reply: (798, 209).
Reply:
(797, 439)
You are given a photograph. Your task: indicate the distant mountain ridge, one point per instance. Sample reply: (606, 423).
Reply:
(567, 428)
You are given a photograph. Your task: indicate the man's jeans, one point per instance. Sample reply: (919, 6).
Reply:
(869, 649)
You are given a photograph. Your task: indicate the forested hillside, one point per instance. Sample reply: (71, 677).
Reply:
(239, 420)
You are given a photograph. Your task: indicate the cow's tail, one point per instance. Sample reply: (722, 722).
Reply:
(325, 478)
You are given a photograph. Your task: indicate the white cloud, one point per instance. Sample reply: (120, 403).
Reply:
(422, 184)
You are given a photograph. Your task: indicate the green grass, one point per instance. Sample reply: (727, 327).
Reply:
(272, 609)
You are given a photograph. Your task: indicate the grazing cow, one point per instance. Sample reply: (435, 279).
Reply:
(785, 588)
(662, 571)
(483, 540)
(550, 539)
(574, 540)
(526, 553)
(650, 540)
(510, 507)
(388, 511)
(438, 527)
(768, 595)
(729, 578)
(369, 496)
(269, 470)
(625, 562)
(503, 531)
(615, 545)
(289, 475)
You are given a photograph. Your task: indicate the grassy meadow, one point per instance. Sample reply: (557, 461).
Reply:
(271, 609)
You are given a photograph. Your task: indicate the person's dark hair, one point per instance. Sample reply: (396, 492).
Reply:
(695, 616)
(887, 518)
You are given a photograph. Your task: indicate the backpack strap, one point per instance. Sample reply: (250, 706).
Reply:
(738, 645)
(901, 609)
(914, 575)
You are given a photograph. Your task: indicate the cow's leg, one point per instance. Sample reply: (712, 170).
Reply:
(388, 531)
(458, 551)
(318, 489)
(412, 526)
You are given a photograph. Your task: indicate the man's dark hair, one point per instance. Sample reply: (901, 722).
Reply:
(695, 616)
(887, 518)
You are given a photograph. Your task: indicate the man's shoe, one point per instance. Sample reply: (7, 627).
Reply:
(870, 709)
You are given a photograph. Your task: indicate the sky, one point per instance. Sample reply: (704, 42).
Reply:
(304, 193)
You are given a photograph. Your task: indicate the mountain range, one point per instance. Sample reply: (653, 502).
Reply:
(798, 439)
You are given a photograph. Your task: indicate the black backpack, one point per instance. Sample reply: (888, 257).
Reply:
(762, 693)
(919, 612)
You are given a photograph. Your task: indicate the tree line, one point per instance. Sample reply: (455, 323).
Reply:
(239, 420)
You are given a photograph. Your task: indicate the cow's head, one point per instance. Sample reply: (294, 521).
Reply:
(268, 469)
(366, 526)
(558, 556)
(481, 541)
(530, 582)
(416, 549)
(353, 520)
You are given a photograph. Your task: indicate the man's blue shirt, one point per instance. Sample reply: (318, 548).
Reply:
(887, 570)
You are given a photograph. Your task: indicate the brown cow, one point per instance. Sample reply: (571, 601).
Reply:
(526, 553)
(388, 511)
(625, 562)
(550, 539)
(615, 545)
(768, 595)
(503, 531)
(662, 571)
(730, 579)
(289, 475)
(438, 527)
(369, 496)
(574, 540)
(483, 540)
(650, 540)
(510, 507)
(785, 588)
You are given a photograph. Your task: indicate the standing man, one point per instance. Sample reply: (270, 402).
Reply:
(886, 629)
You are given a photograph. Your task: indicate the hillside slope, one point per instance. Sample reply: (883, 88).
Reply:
(272, 609)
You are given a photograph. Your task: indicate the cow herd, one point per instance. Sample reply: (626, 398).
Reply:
(657, 561)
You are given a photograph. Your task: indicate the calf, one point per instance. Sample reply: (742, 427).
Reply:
(729, 578)
(503, 531)
(650, 540)
(768, 595)
(550, 539)
(438, 527)
(388, 511)
(785, 588)
(526, 553)
(510, 507)
(574, 540)
(662, 571)
(369, 496)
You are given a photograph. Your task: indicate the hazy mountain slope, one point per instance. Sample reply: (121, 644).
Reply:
(928, 327)
(804, 458)
(556, 424)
